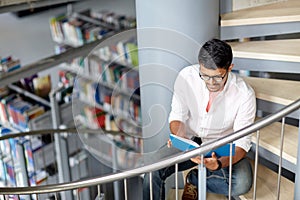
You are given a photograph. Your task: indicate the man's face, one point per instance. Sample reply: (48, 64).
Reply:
(214, 79)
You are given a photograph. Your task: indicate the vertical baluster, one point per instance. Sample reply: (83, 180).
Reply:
(255, 165)
(100, 196)
(176, 181)
(34, 166)
(12, 159)
(230, 171)
(151, 186)
(37, 196)
(44, 161)
(56, 197)
(202, 180)
(280, 157)
(78, 194)
(99, 190)
(125, 188)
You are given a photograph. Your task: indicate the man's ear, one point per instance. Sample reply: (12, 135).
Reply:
(230, 67)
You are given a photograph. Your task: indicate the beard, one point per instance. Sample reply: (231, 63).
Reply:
(214, 87)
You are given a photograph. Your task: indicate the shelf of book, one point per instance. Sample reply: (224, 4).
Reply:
(47, 63)
(22, 110)
(114, 156)
(117, 88)
(45, 121)
(29, 94)
(83, 27)
(36, 156)
(105, 75)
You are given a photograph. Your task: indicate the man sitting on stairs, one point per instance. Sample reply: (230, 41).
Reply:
(209, 101)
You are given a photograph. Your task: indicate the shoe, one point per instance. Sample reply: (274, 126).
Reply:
(190, 191)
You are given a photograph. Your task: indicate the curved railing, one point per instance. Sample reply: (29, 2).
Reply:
(144, 169)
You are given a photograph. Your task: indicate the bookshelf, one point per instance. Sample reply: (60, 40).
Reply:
(107, 78)
(73, 52)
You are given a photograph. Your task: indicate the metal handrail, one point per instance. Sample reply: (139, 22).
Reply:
(155, 166)
(68, 130)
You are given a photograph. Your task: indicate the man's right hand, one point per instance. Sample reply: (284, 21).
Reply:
(169, 143)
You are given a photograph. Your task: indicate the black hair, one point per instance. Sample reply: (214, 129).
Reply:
(215, 54)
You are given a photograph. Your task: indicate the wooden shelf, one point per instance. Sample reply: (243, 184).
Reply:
(287, 11)
(278, 91)
(267, 186)
(47, 63)
(276, 50)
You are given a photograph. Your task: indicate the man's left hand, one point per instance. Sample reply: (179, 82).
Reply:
(210, 163)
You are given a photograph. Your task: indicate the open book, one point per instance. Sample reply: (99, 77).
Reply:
(184, 144)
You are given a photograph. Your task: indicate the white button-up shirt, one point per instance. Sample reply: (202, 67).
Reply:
(233, 109)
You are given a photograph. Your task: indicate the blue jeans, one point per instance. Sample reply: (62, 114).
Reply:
(216, 181)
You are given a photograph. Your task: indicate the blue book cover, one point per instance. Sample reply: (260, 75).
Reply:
(184, 144)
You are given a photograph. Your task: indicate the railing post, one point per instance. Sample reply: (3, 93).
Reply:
(230, 171)
(280, 157)
(125, 189)
(202, 180)
(297, 177)
(60, 147)
(255, 165)
(114, 169)
(151, 186)
(176, 181)
(23, 165)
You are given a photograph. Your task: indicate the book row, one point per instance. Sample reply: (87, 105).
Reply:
(96, 118)
(124, 52)
(39, 154)
(8, 64)
(18, 112)
(105, 98)
(87, 26)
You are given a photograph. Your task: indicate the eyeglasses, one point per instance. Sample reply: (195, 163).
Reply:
(215, 78)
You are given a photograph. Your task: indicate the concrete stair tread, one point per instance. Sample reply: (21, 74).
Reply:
(270, 140)
(279, 91)
(287, 11)
(277, 50)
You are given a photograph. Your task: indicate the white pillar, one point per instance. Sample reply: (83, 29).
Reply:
(170, 34)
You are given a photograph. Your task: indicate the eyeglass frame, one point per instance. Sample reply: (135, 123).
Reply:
(213, 77)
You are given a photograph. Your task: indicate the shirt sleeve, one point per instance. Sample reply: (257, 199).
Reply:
(245, 117)
(179, 109)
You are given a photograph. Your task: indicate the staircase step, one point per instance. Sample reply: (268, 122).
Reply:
(270, 140)
(287, 11)
(209, 196)
(267, 186)
(276, 50)
(279, 91)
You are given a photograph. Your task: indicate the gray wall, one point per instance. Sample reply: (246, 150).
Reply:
(29, 38)
(170, 33)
